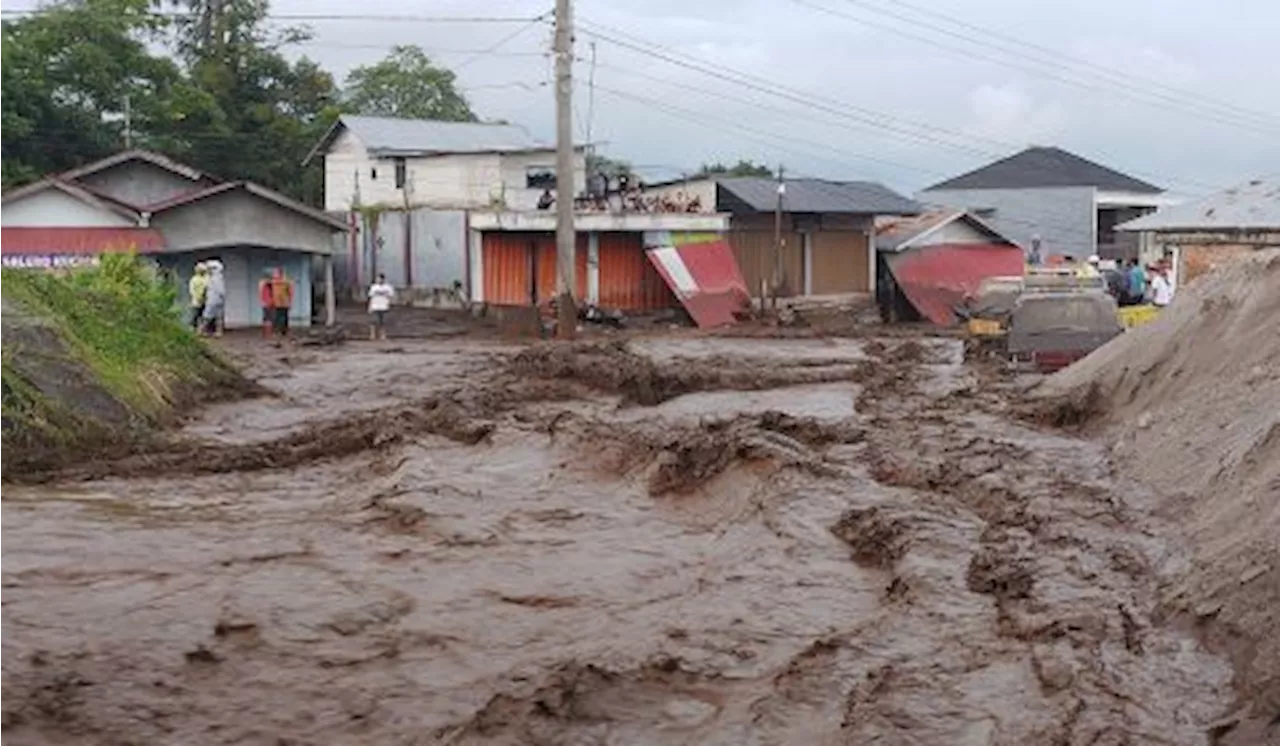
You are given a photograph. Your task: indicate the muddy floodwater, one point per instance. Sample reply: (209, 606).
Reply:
(674, 541)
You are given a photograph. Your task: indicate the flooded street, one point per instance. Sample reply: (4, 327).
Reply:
(683, 540)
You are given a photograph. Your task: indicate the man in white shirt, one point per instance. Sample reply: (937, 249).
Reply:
(380, 296)
(1161, 288)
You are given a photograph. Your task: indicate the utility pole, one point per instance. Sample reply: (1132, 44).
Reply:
(128, 123)
(566, 282)
(777, 240)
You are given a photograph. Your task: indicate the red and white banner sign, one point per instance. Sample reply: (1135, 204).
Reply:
(705, 279)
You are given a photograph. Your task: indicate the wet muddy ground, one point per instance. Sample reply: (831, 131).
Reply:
(682, 540)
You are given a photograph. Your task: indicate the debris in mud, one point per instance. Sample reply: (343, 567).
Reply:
(614, 368)
(878, 537)
(684, 458)
(994, 571)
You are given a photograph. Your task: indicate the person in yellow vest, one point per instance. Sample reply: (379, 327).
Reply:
(1089, 270)
(197, 290)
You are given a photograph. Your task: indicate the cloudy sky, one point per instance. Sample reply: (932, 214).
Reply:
(1180, 92)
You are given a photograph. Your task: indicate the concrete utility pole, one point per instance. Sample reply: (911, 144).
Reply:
(566, 282)
(777, 239)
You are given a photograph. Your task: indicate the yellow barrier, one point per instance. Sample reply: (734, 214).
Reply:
(1131, 316)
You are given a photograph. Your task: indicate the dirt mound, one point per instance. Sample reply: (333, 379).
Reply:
(1193, 403)
(615, 368)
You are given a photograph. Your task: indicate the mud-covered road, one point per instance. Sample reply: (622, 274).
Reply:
(673, 541)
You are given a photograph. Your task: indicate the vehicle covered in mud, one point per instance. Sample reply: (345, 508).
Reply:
(1052, 330)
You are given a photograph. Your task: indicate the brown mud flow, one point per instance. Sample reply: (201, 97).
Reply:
(687, 540)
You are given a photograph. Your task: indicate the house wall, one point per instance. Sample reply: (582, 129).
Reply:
(52, 208)
(436, 242)
(446, 181)
(237, 218)
(140, 183)
(957, 231)
(837, 259)
(244, 267)
(1064, 218)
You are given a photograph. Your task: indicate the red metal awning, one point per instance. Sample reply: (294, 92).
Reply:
(64, 241)
(937, 278)
(705, 278)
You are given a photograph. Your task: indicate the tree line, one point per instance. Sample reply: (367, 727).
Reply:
(203, 81)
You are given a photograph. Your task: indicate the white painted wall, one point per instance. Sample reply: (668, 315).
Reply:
(957, 231)
(467, 180)
(52, 208)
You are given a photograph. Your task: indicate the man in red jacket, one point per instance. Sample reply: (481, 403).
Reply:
(266, 301)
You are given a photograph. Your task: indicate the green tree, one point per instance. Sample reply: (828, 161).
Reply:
(67, 72)
(611, 167)
(741, 168)
(406, 84)
(269, 111)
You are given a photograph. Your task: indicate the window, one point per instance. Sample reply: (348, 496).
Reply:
(540, 177)
(401, 173)
(373, 173)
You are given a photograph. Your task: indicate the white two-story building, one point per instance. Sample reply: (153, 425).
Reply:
(426, 163)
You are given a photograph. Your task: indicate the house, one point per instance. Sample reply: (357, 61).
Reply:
(421, 162)
(927, 264)
(1201, 233)
(826, 228)
(176, 215)
(1072, 204)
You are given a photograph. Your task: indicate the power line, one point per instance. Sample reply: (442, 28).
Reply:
(500, 42)
(769, 139)
(870, 117)
(321, 17)
(1059, 57)
(1052, 73)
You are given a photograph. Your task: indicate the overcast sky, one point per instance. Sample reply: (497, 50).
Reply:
(977, 96)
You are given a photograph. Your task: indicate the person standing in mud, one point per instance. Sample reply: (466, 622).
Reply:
(197, 289)
(215, 299)
(267, 302)
(281, 302)
(380, 296)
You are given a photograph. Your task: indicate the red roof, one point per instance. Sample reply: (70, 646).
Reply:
(55, 241)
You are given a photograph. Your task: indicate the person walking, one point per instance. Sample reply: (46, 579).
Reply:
(281, 302)
(1161, 288)
(380, 296)
(1136, 283)
(197, 290)
(267, 303)
(215, 299)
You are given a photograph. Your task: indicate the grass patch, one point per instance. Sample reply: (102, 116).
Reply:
(94, 358)
(122, 322)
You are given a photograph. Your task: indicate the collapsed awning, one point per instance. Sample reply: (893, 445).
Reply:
(937, 278)
(705, 278)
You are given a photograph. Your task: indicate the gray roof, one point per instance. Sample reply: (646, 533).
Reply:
(760, 194)
(387, 135)
(1252, 206)
(1046, 167)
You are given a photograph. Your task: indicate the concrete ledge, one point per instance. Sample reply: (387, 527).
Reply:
(587, 222)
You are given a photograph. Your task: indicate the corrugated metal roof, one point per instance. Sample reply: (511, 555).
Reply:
(760, 194)
(388, 135)
(896, 234)
(1252, 206)
(63, 240)
(1046, 167)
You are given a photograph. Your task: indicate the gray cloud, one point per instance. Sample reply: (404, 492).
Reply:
(1222, 51)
